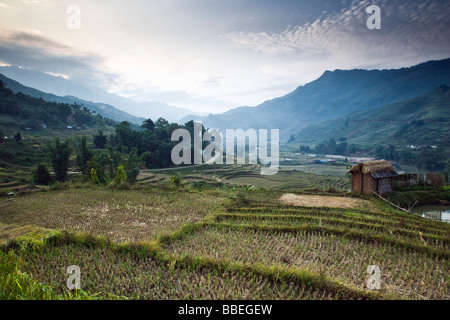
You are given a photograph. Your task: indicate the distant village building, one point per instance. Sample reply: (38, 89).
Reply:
(377, 176)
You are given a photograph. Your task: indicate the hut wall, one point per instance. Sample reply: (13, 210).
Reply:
(356, 182)
(384, 185)
(369, 183)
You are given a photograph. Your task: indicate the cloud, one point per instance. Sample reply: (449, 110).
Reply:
(407, 27)
(33, 51)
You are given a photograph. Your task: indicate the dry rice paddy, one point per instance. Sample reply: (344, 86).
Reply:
(405, 272)
(117, 215)
(208, 245)
(107, 273)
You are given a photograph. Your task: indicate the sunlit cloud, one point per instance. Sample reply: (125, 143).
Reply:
(418, 27)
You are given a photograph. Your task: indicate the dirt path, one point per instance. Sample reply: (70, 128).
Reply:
(324, 201)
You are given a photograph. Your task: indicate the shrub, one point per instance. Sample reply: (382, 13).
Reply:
(175, 180)
(41, 175)
(120, 181)
(94, 177)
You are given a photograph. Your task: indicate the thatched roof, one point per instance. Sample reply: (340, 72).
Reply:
(378, 169)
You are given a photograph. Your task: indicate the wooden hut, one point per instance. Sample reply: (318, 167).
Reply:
(377, 176)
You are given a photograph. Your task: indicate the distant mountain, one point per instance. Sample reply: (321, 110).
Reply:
(335, 94)
(190, 117)
(102, 109)
(424, 120)
(63, 87)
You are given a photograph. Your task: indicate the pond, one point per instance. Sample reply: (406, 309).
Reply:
(434, 212)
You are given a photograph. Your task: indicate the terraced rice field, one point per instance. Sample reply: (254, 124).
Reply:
(340, 244)
(108, 273)
(242, 175)
(258, 249)
(118, 215)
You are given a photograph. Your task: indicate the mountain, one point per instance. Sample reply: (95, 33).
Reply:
(424, 120)
(23, 112)
(193, 117)
(102, 109)
(335, 94)
(60, 86)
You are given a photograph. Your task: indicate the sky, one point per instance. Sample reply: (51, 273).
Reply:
(214, 55)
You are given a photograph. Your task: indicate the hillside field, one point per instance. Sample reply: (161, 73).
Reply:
(156, 241)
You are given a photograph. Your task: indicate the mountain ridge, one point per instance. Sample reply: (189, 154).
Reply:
(60, 86)
(423, 120)
(102, 109)
(334, 94)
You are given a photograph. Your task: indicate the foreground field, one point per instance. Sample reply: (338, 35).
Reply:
(216, 244)
(119, 215)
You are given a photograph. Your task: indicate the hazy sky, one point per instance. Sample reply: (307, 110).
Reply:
(213, 55)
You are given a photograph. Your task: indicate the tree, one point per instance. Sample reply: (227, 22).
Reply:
(100, 140)
(305, 149)
(124, 135)
(379, 151)
(432, 160)
(121, 176)
(148, 124)
(291, 138)
(84, 155)
(131, 168)
(353, 148)
(40, 175)
(59, 154)
(161, 123)
(114, 158)
(147, 158)
(96, 170)
(18, 136)
(64, 111)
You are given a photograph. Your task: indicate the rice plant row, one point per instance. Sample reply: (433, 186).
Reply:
(408, 221)
(409, 273)
(105, 273)
(305, 221)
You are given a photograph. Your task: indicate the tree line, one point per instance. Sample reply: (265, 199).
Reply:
(425, 158)
(118, 156)
(432, 159)
(331, 146)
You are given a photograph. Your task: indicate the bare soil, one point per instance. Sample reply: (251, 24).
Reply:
(323, 201)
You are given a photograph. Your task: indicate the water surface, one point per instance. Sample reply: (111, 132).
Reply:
(434, 212)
